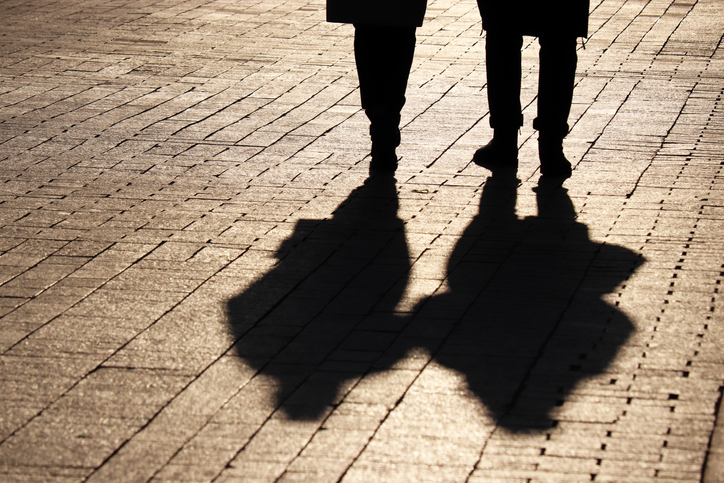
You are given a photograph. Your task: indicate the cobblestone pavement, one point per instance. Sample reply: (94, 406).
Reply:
(198, 284)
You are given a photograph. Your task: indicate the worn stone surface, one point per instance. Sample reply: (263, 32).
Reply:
(198, 284)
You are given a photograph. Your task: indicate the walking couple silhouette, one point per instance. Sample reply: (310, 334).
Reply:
(384, 47)
(520, 312)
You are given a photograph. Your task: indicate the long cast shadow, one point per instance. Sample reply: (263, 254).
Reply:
(535, 322)
(315, 317)
(523, 318)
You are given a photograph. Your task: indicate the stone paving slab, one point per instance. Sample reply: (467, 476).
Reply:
(198, 282)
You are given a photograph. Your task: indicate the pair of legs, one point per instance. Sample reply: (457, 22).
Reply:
(384, 57)
(558, 61)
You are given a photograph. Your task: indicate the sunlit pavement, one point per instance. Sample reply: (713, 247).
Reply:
(198, 283)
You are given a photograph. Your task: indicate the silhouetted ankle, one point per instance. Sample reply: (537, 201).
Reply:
(385, 135)
(384, 161)
(552, 160)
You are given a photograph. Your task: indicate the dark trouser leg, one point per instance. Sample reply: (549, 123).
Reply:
(502, 62)
(558, 61)
(384, 57)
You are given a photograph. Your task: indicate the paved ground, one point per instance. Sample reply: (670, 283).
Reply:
(198, 284)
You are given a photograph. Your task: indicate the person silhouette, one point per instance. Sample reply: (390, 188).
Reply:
(384, 47)
(557, 25)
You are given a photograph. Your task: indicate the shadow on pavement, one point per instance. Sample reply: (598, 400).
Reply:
(523, 317)
(536, 323)
(314, 317)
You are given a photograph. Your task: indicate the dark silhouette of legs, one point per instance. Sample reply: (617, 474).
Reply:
(558, 61)
(384, 57)
(502, 58)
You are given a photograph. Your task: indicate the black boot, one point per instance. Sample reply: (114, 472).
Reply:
(385, 135)
(384, 161)
(553, 162)
(500, 154)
